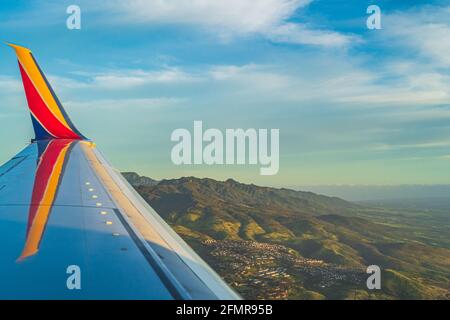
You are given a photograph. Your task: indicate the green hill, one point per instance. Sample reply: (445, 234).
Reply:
(343, 236)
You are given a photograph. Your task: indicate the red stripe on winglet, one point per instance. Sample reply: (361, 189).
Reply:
(41, 111)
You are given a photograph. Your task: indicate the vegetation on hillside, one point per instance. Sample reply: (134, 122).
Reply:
(328, 242)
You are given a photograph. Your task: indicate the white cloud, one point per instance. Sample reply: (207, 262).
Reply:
(133, 78)
(425, 145)
(225, 19)
(347, 84)
(402, 95)
(413, 65)
(426, 32)
(343, 84)
(249, 77)
(239, 16)
(132, 103)
(122, 79)
(301, 34)
(9, 84)
(66, 83)
(269, 18)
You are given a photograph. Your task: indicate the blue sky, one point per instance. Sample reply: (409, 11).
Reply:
(354, 106)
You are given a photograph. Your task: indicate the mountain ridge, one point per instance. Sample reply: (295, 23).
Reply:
(310, 226)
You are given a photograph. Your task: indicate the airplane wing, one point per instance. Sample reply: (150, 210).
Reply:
(71, 227)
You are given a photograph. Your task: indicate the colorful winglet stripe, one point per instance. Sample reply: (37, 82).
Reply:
(49, 173)
(50, 121)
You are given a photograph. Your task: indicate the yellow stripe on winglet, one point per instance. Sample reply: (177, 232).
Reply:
(30, 67)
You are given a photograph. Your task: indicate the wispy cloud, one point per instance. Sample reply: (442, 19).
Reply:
(425, 31)
(130, 104)
(269, 18)
(412, 64)
(9, 84)
(302, 34)
(132, 78)
(235, 16)
(123, 79)
(347, 84)
(249, 78)
(424, 145)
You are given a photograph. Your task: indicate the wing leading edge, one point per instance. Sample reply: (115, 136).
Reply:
(62, 205)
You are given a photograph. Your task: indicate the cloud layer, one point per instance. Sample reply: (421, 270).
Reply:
(269, 18)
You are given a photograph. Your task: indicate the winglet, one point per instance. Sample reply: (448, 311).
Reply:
(50, 121)
(17, 47)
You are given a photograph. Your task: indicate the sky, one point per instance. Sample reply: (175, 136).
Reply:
(354, 106)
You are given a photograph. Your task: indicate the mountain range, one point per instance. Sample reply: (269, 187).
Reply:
(327, 242)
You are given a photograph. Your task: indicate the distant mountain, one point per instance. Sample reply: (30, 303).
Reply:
(137, 180)
(369, 193)
(337, 238)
